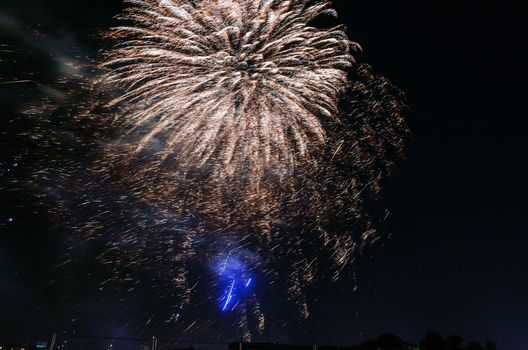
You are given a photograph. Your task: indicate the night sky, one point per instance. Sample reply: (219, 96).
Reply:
(453, 257)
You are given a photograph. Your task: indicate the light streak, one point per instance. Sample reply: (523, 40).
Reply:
(229, 296)
(16, 82)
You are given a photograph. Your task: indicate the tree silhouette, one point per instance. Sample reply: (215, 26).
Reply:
(490, 345)
(432, 341)
(385, 341)
(454, 342)
(474, 346)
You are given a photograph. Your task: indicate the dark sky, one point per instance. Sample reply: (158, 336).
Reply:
(456, 260)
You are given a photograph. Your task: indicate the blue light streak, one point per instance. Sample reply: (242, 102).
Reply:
(229, 296)
(234, 280)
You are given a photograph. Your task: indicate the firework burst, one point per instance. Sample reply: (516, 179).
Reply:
(234, 147)
(240, 88)
(254, 133)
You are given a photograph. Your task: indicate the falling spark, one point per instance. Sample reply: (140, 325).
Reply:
(229, 296)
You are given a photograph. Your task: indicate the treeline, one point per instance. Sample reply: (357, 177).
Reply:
(431, 341)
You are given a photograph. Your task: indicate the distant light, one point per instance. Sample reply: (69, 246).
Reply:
(42, 345)
(11, 220)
